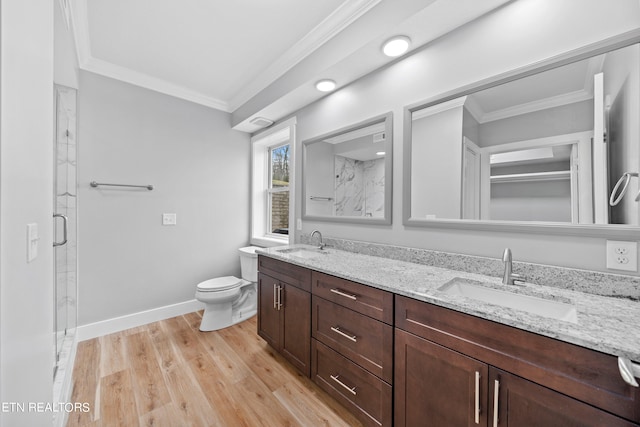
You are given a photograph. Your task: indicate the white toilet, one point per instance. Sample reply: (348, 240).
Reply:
(229, 300)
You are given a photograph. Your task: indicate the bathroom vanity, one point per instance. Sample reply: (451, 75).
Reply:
(391, 342)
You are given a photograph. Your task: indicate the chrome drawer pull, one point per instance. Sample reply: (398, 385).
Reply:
(351, 390)
(337, 330)
(343, 294)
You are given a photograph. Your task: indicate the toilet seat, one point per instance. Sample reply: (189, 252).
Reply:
(219, 284)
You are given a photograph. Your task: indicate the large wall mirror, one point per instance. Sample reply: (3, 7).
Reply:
(557, 147)
(347, 173)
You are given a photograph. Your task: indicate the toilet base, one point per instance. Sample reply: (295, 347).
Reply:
(221, 315)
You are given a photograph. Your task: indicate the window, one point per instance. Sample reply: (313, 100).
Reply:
(272, 186)
(278, 191)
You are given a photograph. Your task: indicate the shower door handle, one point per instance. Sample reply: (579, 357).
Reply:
(64, 230)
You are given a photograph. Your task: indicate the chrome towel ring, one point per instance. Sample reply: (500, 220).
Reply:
(626, 178)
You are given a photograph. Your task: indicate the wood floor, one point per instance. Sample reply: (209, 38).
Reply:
(169, 373)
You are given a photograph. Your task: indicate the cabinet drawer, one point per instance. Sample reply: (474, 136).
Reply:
(290, 273)
(364, 340)
(584, 374)
(365, 395)
(364, 299)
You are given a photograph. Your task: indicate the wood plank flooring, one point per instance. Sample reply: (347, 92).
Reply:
(168, 373)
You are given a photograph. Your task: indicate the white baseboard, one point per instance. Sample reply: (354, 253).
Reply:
(117, 324)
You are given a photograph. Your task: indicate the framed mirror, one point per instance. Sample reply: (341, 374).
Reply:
(347, 173)
(551, 148)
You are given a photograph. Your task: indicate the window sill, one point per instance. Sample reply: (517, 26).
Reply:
(267, 242)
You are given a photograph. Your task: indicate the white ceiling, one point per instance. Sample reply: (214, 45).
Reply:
(226, 54)
(553, 88)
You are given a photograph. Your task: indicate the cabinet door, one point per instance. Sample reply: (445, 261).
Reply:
(296, 327)
(435, 386)
(524, 403)
(268, 313)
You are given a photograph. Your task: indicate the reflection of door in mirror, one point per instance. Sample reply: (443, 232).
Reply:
(576, 128)
(541, 179)
(471, 179)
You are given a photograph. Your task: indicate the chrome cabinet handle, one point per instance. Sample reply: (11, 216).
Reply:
(343, 294)
(337, 330)
(64, 229)
(477, 398)
(496, 395)
(275, 296)
(279, 297)
(351, 390)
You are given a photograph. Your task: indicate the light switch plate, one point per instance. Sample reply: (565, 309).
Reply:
(622, 255)
(32, 241)
(169, 219)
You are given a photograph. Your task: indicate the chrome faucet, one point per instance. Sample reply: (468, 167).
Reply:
(509, 276)
(313, 233)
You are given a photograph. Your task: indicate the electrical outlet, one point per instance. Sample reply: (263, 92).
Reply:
(622, 255)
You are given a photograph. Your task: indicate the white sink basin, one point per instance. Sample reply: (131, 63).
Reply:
(535, 305)
(303, 252)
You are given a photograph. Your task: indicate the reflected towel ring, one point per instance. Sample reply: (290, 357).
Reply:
(626, 177)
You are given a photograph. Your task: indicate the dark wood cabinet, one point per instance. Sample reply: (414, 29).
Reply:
(364, 340)
(268, 313)
(524, 403)
(284, 311)
(295, 336)
(538, 381)
(394, 360)
(352, 346)
(435, 386)
(366, 396)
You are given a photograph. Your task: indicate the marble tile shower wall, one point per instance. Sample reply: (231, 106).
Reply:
(359, 187)
(66, 204)
(593, 282)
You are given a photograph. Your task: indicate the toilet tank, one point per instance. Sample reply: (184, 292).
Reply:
(249, 263)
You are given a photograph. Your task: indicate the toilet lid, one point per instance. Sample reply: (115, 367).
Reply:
(219, 283)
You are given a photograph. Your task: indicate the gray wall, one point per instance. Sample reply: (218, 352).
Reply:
(26, 183)
(519, 34)
(200, 169)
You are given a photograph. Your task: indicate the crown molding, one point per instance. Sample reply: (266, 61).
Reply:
(146, 81)
(332, 25)
(439, 108)
(539, 105)
(340, 19)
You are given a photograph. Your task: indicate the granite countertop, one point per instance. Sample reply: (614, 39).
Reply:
(606, 324)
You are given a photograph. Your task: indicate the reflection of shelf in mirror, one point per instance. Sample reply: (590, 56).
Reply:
(321, 199)
(531, 177)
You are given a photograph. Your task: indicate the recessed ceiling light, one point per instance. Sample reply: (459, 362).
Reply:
(396, 46)
(326, 85)
(380, 153)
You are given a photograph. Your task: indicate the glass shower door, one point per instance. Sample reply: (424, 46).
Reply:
(65, 247)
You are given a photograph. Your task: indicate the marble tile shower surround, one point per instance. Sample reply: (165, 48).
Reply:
(359, 187)
(592, 282)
